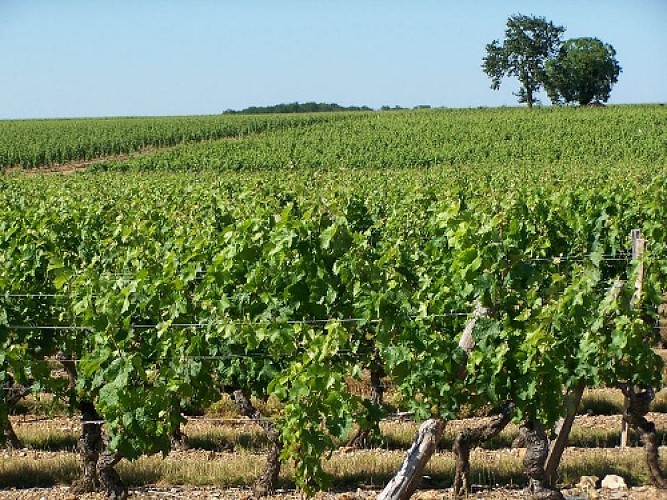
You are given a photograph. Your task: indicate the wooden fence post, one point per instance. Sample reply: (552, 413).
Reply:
(638, 245)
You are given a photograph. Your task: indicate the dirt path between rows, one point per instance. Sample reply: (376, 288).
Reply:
(216, 493)
(66, 424)
(65, 168)
(78, 165)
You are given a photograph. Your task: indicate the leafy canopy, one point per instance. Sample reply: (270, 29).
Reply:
(584, 71)
(529, 42)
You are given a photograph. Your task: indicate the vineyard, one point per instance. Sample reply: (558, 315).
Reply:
(342, 270)
(38, 143)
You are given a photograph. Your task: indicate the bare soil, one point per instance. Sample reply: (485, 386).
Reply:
(78, 165)
(73, 425)
(72, 166)
(212, 493)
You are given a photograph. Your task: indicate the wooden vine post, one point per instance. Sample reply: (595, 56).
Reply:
(564, 425)
(638, 245)
(563, 429)
(638, 399)
(574, 397)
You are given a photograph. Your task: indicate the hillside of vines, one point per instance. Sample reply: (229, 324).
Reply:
(291, 261)
(40, 143)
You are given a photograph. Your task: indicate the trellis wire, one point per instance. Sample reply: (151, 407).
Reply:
(62, 295)
(312, 321)
(619, 257)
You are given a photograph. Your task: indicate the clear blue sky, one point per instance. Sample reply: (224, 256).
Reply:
(65, 58)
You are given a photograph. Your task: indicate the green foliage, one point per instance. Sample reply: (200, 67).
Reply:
(37, 143)
(288, 282)
(584, 71)
(528, 44)
(474, 143)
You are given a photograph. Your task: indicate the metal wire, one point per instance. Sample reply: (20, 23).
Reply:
(314, 321)
(393, 417)
(60, 295)
(47, 327)
(318, 321)
(222, 357)
(34, 295)
(619, 257)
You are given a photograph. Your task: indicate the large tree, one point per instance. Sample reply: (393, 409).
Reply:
(529, 42)
(584, 71)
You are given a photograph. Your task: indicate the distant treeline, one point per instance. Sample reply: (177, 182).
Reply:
(298, 107)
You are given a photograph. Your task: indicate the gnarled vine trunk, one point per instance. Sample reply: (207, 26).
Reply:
(537, 450)
(13, 393)
(365, 437)
(266, 483)
(90, 442)
(110, 481)
(12, 441)
(634, 414)
(179, 440)
(89, 446)
(97, 465)
(471, 437)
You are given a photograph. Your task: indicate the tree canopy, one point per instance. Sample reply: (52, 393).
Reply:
(584, 71)
(529, 42)
(298, 107)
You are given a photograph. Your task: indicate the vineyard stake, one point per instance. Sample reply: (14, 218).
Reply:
(564, 428)
(638, 244)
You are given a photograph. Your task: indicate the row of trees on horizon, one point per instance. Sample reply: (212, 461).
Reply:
(579, 70)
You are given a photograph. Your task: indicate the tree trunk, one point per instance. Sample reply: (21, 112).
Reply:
(89, 446)
(635, 415)
(408, 477)
(109, 479)
(537, 449)
(266, 484)
(470, 437)
(529, 95)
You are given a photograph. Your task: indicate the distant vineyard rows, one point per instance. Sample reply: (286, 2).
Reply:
(38, 143)
(563, 138)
